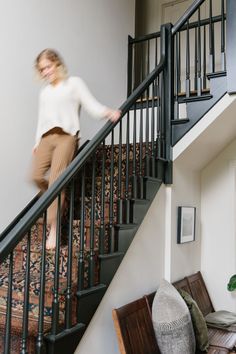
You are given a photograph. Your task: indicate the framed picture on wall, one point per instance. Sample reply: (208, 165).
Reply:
(186, 224)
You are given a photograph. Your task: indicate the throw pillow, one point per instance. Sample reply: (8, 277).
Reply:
(172, 321)
(221, 319)
(198, 320)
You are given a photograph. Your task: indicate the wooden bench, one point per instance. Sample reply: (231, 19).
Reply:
(134, 328)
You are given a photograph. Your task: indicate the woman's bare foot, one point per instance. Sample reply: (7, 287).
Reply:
(52, 237)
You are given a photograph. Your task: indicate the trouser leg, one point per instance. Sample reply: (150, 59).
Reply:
(42, 162)
(65, 147)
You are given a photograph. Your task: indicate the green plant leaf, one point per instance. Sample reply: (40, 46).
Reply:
(232, 283)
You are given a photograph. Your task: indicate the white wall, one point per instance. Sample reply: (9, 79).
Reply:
(218, 226)
(186, 191)
(150, 14)
(92, 37)
(139, 274)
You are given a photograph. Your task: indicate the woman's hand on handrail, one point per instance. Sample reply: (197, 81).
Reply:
(112, 115)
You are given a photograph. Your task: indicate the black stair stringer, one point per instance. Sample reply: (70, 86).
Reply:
(196, 110)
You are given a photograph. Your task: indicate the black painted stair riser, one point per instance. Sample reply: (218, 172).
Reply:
(88, 301)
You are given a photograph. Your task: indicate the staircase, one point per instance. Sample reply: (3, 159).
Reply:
(47, 298)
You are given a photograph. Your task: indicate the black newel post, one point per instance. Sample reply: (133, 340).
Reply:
(130, 67)
(168, 102)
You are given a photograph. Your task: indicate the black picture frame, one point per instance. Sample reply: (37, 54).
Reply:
(186, 224)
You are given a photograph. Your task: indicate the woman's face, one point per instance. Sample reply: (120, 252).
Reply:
(48, 71)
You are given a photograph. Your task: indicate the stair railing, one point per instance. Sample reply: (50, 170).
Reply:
(199, 46)
(99, 184)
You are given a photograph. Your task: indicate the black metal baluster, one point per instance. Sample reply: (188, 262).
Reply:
(162, 116)
(147, 157)
(199, 53)
(158, 131)
(195, 60)
(148, 57)
(7, 337)
(111, 199)
(26, 299)
(120, 196)
(102, 224)
(180, 64)
(188, 83)
(204, 83)
(156, 54)
(134, 172)
(141, 191)
(55, 303)
(68, 305)
(152, 133)
(211, 41)
(223, 61)
(156, 50)
(130, 67)
(127, 201)
(141, 64)
(40, 348)
(91, 273)
(82, 238)
(177, 77)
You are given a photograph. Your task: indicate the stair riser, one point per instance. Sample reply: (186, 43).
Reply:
(151, 189)
(108, 267)
(88, 304)
(137, 211)
(125, 237)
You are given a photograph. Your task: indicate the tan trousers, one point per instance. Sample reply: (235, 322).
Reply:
(54, 153)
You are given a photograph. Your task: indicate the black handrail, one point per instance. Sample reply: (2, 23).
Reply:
(21, 228)
(191, 25)
(188, 13)
(145, 37)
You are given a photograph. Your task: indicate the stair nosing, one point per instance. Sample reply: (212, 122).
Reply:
(216, 74)
(63, 333)
(153, 179)
(126, 226)
(180, 121)
(94, 289)
(197, 98)
(140, 201)
(110, 255)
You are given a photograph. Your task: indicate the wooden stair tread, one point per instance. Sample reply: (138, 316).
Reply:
(194, 92)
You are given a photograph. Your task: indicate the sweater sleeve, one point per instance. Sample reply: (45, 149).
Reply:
(88, 101)
(38, 129)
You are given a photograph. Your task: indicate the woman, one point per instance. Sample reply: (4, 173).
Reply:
(58, 124)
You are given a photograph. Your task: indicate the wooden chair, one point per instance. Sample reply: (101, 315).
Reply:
(134, 328)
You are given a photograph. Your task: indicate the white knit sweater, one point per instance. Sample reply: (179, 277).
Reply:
(59, 106)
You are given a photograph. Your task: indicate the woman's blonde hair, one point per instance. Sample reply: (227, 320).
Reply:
(54, 57)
